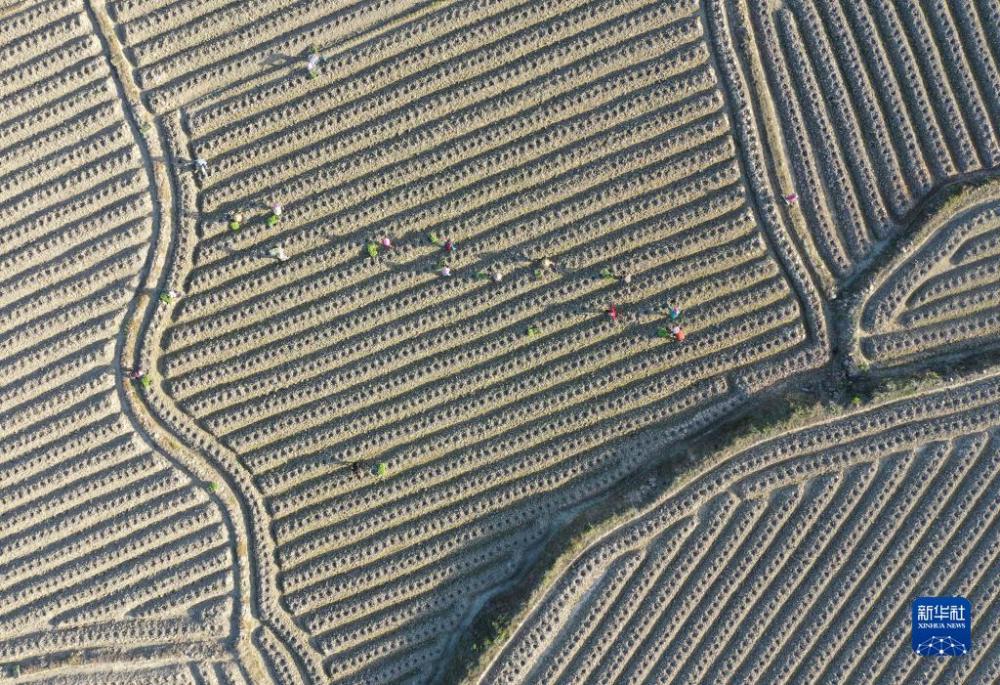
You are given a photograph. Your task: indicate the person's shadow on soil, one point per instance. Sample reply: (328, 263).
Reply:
(278, 60)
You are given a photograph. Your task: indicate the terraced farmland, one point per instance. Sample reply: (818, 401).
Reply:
(794, 561)
(323, 321)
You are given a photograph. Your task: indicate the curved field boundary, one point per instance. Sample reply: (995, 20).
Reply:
(836, 455)
(140, 310)
(253, 553)
(140, 322)
(112, 553)
(936, 297)
(766, 181)
(930, 115)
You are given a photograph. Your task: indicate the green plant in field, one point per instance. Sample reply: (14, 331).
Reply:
(381, 469)
(855, 401)
(372, 249)
(533, 331)
(498, 631)
(212, 486)
(146, 380)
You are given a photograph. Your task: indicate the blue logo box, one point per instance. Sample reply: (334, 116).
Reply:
(942, 626)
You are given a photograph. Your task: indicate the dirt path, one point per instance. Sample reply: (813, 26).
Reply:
(128, 351)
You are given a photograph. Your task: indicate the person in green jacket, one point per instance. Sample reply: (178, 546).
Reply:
(275, 215)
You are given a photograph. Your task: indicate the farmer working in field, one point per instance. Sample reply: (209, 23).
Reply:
(276, 210)
(312, 61)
